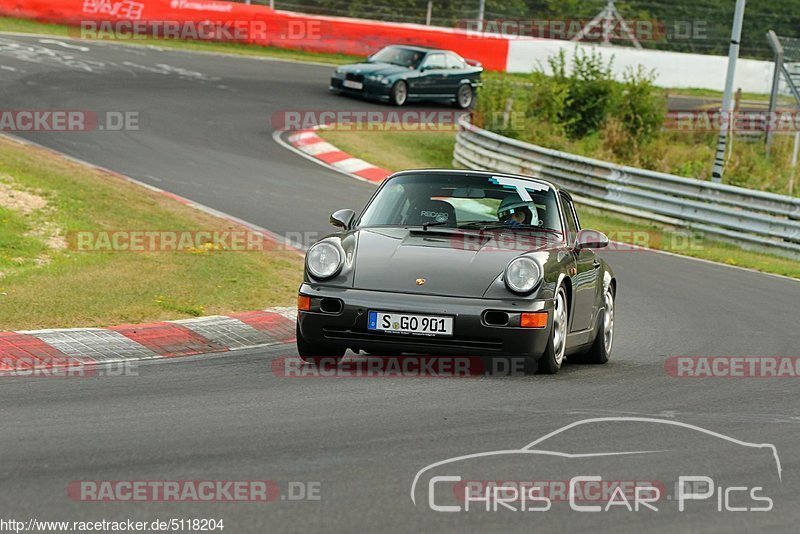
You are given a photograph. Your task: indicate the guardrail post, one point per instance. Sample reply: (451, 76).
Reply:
(776, 80)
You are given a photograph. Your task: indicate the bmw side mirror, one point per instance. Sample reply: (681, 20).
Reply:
(343, 218)
(591, 239)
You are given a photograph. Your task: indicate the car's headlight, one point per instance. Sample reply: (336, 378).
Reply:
(338, 74)
(324, 260)
(522, 275)
(375, 78)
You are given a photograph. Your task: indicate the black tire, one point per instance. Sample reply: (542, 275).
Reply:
(553, 357)
(317, 354)
(600, 351)
(399, 93)
(465, 96)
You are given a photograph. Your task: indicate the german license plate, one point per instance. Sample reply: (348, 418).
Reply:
(350, 84)
(406, 323)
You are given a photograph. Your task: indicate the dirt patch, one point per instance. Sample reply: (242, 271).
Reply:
(21, 201)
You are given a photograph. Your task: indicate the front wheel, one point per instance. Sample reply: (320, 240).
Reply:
(553, 356)
(464, 96)
(317, 353)
(600, 351)
(399, 93)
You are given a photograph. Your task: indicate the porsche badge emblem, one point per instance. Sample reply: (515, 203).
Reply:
(421, 281)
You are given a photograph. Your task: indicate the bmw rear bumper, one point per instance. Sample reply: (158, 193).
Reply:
(338, 316)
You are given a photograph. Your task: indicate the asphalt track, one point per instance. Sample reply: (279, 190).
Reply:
(206, 134)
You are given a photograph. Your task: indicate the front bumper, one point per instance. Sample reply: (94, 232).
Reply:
(374, 91)
(338, 316)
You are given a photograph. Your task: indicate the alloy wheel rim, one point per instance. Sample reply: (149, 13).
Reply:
(464, 96)
(608, 322)
(559, 327)
(400, 93)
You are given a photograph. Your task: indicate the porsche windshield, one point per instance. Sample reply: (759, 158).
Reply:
(405, 57)
(458, 200)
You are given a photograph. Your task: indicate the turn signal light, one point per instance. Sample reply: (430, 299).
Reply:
(533, 320)
(303, 302)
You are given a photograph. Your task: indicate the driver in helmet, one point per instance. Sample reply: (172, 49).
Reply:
(515, 211)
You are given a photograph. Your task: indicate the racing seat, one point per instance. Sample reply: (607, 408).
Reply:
(432, 211)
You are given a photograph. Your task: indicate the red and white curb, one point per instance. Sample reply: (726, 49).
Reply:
(312, 145)
(34, 349)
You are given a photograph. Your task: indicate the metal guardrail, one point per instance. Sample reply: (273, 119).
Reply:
(747, 217)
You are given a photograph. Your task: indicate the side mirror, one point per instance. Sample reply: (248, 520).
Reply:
(343, 218)
(591, 239)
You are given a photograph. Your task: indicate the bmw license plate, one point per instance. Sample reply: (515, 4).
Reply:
(350, 84)
(405, 323)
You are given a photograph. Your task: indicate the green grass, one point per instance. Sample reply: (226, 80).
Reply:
(28, 26)
(395, 151)
(711, 93)
(45, 283)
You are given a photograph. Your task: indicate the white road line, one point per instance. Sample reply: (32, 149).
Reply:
(65, 45)
(134, 45)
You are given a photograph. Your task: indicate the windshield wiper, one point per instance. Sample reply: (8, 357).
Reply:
(475, 224)
(432, 223)
(499, 225)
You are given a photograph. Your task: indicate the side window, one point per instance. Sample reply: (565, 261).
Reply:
(455, 62)
(571, 217)
(434, 61)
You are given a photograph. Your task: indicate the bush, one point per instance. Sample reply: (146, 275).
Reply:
(576, 100)
(642, 108)
(592, 91)
(490, 107)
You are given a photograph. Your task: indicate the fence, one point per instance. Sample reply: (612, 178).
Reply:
(753, 219)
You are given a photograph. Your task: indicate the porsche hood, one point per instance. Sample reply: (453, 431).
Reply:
(436, 262)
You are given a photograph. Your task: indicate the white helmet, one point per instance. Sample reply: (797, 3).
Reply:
(513, 203)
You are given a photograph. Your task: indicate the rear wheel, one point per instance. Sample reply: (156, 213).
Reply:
(399, 93)
(464, 96)
(553, 356)
(317, 353)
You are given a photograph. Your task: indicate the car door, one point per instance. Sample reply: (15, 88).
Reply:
(433, 73)
(457, 70)
(585, 276)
